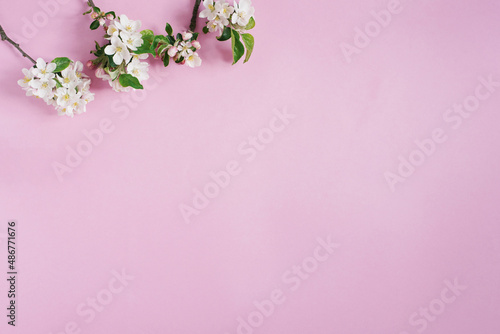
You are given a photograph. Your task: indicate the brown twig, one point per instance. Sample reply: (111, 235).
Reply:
(192, 27)
(16, 45)
(91, 4)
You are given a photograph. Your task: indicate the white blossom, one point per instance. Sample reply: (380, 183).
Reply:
(242, 12)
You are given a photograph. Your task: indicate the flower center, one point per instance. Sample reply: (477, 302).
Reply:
(45, 85)
(118, 49)
(66, 97)
(211, 7)
(26, 79)
(66, 80)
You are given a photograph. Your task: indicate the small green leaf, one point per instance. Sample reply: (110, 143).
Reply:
(147, 40)
(128, 80)
(158, 39)
(94, 25)
(179, 36)
(61, 64)
(168, 29)
(195, 36)
(171, 39)
(238, 48)
(166, 60)
(249, 43)
(161, 48)
(251, 24)
(97, 9)
(111, 62)
(205, 30)
(226, 34)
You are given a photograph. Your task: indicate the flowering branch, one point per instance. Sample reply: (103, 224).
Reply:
(192, 27)
(16, 45)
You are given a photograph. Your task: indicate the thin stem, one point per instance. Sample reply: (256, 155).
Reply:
(16, 45)
(92, 4)
(192, 27)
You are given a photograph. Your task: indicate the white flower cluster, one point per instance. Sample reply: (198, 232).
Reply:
(68, 91)
(125, 38)
(184, 50)
(220, 14)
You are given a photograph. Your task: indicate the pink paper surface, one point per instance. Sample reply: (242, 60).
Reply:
(324, 226)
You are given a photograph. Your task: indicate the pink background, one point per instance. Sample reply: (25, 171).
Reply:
(322, 176)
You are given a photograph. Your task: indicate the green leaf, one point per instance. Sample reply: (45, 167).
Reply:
(171, 39)
(249, 43)
(162, 48)
(195, 36)
(179, 36)
(94, 25)
(128, 80)
(251, 24)
(168, 29)
(205, 30)
(158, 39)
(147, 40)
(58, 84)
(238, 48)
(97, 9)
(166, 60)
(111, 62)
(61, 64)
(226, 34)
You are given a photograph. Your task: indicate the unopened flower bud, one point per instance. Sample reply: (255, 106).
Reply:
(102, 21)
(94, 15)
(196, 44)
(90, 65)
(110, 16)
(172, 51)
(186, 35)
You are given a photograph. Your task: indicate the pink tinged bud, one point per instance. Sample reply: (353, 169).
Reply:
(94, 15)
(187, 35)
(102, 21)
(172, 51)
(196, 44)
(90, 65)
(182, 62)
(110, 17)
